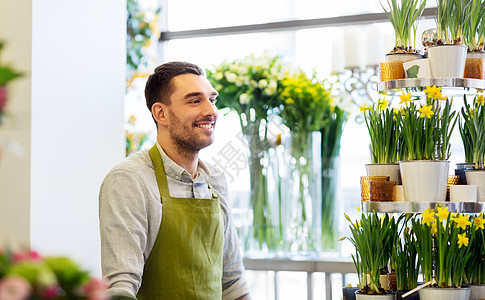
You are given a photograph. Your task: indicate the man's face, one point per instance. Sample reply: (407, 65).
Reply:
(192, 113)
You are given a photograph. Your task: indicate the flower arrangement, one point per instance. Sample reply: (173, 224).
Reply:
(306, 107)
(7, 74)
(404, 258)
(472, 130)
(384, 132)
(426, 128)
(403, 16)
(249, 86)
(134, 139)
(27, 275)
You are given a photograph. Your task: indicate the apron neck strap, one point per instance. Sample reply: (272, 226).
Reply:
(159, 171)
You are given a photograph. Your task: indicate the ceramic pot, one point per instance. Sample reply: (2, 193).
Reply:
(460, 171)
(424, 180)
(403, 57)
(447, 60)
(413, 296)
(391, 170)
(418, 68)
(477, 177)
(477, 292)
(360, 296)
(445, 293)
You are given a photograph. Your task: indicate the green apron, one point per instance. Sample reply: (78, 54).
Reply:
(186, 260)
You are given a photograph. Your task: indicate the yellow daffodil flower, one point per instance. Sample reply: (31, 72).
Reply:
(480, 100)
(428, 217)
(479, 221)
(442, 213)
(426, 111)
(358, 209)
(462, 221)
(364, 107)
(433, 92)
(289, 101)
(405, 98)
(383, 104)
(462, 240)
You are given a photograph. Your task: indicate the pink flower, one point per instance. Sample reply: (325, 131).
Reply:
(27, 255)
(96, 289)
(3, 97)
(14, 288)
(50, 292)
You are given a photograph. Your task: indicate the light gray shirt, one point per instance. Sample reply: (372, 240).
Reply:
(130, 214)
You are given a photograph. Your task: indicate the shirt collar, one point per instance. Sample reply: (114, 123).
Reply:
(172, 169)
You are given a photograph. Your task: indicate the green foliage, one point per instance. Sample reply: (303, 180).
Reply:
(473, 29)
(451, 19)
(403, 15)
(472, 129)
(7, 73)
(140, 27)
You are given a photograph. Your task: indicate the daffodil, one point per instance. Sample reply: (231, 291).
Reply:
(462, 221)
(479, 221)
(426, 111)
(462, 240)
(442, 213)
(433, 92)
(434, 228)
(364, 107)
(405, 98)
(480, 100)
(383, 104)
(428, 217)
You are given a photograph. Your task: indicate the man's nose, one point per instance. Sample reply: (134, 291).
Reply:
(209, 108)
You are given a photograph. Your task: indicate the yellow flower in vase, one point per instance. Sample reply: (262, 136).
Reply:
(462, 221)
(426, 111)
(462, 240)
(480, 100)
(383, 104)
(442, 213)
(428, 217)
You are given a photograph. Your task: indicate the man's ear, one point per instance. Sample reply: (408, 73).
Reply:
(159, 112)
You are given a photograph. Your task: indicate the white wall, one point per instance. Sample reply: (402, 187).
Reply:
(77, 128)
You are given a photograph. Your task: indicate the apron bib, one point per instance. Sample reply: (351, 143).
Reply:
(186, 260)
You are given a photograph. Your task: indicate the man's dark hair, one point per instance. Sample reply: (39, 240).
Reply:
(159, 86)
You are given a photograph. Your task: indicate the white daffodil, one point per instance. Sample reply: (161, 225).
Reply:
(262, 84)
(231, 77)
(244, 98)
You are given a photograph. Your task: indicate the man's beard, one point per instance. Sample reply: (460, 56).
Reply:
(185, 137)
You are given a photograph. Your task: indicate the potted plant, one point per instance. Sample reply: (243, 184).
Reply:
(249, 86)
(404, 259)
(403, 15)
(474, 32)
(443, 242)
(426, 130)
(447, 57)
(304, 105)
(385, 136)
(473, 118)
(475, 269)
(369, 236)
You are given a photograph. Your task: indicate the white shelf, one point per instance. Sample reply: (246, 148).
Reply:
(450, 85)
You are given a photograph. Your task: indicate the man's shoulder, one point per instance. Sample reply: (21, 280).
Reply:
(137, 163)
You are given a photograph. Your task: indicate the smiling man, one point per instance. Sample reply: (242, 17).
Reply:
(166, 227)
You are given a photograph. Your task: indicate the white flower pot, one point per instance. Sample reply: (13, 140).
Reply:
(391, 170)
(447, 60)
(359, 296)
(418, 68)
(445, 293)
(477, 292)
(424, 180)
(477, 177)
(463, 193)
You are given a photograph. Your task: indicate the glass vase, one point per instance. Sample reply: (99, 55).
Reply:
(302, 196)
